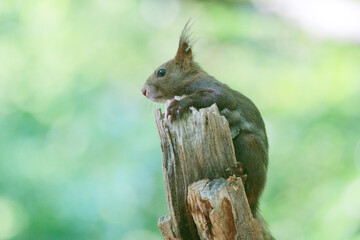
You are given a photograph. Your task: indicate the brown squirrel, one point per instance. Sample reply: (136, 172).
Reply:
(183, 76)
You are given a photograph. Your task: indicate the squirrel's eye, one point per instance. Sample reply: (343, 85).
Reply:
(161, 73)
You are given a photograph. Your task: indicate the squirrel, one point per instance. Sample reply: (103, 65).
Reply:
(183, 76)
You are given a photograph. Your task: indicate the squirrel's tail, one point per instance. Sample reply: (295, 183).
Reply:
(264, 227)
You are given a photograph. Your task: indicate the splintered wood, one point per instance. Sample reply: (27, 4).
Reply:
(197, 148)
(220, 210)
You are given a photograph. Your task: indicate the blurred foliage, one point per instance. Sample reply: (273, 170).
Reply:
(79, 151)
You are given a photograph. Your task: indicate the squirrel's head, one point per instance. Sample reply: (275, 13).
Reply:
(170, 78)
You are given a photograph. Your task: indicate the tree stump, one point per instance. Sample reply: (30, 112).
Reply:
(197, 150)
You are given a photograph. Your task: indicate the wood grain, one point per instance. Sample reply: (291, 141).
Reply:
(197, 150)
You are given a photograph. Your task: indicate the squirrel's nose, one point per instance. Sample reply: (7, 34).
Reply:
(143, 90)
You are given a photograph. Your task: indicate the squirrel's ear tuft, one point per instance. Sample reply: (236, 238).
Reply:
(184, 53)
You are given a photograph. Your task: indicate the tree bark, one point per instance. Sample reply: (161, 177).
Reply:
(197, 150)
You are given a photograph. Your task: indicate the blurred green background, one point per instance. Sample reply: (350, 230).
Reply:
(79, 150)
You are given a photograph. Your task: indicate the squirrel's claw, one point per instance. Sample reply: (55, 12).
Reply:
(237, 171)
(176, 109)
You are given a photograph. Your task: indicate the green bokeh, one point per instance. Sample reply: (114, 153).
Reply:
(79, 151)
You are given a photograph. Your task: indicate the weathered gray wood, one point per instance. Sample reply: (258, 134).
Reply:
(165, 227)
(221, 211)
(197, 147)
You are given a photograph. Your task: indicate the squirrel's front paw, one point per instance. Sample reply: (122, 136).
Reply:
(177, 108)
(238, 171)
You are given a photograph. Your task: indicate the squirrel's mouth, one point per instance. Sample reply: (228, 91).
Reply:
(153, 94)
(158, 99)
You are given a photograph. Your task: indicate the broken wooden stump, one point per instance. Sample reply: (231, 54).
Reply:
(221, 211)
(197, 150)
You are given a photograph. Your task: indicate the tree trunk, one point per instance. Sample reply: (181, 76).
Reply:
(197, 150)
